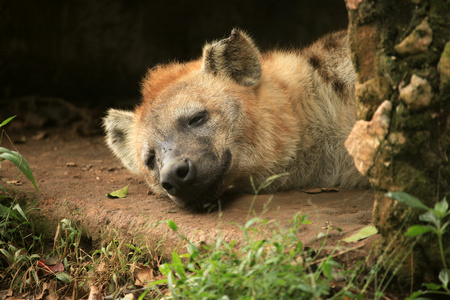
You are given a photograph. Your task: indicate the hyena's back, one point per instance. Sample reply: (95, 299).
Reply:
(209, 125)
(318, 84)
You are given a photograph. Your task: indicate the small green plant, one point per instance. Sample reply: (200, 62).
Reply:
(16, 227)
(16, 159)
(17, 240)
(436, 224)
(275, 267)
(113, 265)
(111, 268)
(21, 270)
(17, 234)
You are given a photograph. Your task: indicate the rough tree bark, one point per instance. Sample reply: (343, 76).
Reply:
(401, 53)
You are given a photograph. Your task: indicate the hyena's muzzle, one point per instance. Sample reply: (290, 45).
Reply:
(193, 178)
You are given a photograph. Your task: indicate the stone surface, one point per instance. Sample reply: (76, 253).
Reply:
(444, 67)
(366, 136)
(417, 41)
(417, 94)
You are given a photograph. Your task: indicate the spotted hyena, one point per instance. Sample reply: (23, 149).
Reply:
(209, 125)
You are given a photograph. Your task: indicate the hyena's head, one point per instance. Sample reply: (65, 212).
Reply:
(188, 134)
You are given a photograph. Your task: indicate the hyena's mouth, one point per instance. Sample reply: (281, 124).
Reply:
(204, 193)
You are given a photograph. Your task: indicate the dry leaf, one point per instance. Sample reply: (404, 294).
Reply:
(313, 191)
(143, 275)
(102, 267)
(5, 294)
(49, 267)
(321, 190)
(129, 296)
(48, 291)
(94, 293)
(14, 182)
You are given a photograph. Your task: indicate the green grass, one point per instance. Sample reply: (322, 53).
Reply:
(437, 222)
(18, 243)
(269, 262)
(15, 158)
(277, 267)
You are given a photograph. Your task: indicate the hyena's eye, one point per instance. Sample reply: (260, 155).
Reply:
(198, 119)
(150, 160)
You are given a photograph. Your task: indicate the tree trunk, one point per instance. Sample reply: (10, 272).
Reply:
(401, 53)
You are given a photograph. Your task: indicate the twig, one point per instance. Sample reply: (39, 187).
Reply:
(337, 254)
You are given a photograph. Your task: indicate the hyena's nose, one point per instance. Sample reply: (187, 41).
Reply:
(176, 175)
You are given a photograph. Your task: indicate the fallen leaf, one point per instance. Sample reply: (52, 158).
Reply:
(5, 294)
(122, 193)
(102, 267)
(321, 190)
(14, 182)
(48, 291)
(362, 234)
(94, 293)
(48, 266)
(313, 191)
(129, 296)
(143, 275)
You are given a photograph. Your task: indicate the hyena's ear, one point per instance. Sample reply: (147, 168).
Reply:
(236, 57)
(118, 126)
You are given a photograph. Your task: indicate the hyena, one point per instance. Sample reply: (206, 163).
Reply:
(209, 125)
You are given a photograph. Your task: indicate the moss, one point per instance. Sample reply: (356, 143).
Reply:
(370, 95)
(415, 157)
(444, 69)
(367, 12)
(438, 16)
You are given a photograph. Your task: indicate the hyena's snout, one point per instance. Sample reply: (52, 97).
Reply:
(177, 175)
(194, 179)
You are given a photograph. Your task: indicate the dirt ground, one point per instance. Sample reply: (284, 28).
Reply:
(74, 173)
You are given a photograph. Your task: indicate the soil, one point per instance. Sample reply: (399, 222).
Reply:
(74, 174)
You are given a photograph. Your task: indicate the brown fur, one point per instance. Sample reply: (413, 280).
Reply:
(212, 123)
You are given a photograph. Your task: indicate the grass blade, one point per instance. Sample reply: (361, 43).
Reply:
(20, 162)
(409, 200)
(19, 209)
(7, 121)
(4, 211)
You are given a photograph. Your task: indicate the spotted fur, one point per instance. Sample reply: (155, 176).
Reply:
(257, 115)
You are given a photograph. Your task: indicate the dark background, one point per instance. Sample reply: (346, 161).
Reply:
(95, 52)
